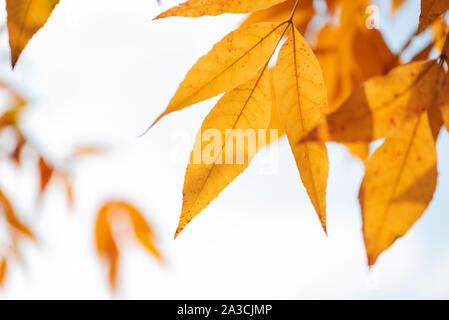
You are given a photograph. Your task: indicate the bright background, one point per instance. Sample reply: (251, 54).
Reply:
(100, 72)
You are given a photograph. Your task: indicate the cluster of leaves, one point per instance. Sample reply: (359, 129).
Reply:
(25, 18)
(47, 171)
(120, 213)
(347, 88)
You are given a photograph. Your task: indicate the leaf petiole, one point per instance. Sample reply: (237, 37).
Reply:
(443, 56)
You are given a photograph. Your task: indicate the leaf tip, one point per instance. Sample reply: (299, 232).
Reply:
(372, 258)
(323, 224)
(152, 125)
(14, 60)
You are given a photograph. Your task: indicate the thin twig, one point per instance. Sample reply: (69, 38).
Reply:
(443, 55)
(290, 20)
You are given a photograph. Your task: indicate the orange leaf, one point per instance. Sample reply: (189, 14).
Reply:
(359, 149)
(64, 177)
(46, 171)
(282, 12)
(440, 32)
(11, 217)
(430, 11)
(143, 231)
(15, 156)
(443, 101)
(87, 151)
(396, 4)
(343, 51)
(232, 61)
(383, 105)
(399, 183)
(3, 266)
(106, 244)
(25, 18)
(199, 8)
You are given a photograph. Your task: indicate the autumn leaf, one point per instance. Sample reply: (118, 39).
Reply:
(105, 242)
(440, 32)
(343, 50)
(12, 219)
(241, 111)
(443, 101)
(435, 117)
(396, 5)
(25, 18)
(46, 171)
(87, 151)
(302, 103)
(430, 11)
(383, 105)
(142, 230)
(232, 61)
(282, 11)
(199, 8)
(332, 5)
(66, 181)
(275, 121)
(400, 179)
(16, 154)
(3, 266)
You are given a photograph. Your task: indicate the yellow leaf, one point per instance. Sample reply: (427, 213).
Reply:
(435, 120)
(25, 18)
(440, 32)
(343, 54)
(400, 179)
(369, 45)
(354, 13)
(232, 61)
(383, 105)
(281, 12)
(199, 8)
(302, 103)
(430, 11)
(343, 51)
(275, 121)
(3, 266)
(359, 149)
(241, 111)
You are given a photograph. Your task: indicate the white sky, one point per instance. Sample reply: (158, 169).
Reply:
(100, 72)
